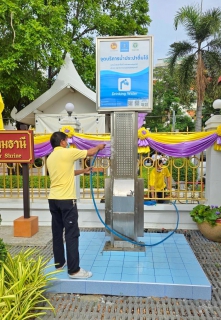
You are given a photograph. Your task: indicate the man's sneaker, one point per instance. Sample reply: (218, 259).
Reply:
(64, 265)
(81, 274)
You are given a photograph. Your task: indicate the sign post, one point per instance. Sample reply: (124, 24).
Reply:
(124, 88)
(18, 147)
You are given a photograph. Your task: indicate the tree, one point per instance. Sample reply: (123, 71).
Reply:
(213, 92)
(35, 36)
(201, 56)
(168, 97)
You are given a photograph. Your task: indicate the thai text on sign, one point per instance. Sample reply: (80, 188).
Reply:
(16, 146)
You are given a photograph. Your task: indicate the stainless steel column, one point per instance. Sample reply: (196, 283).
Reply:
(124, 192)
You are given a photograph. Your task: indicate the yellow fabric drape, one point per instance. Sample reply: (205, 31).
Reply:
(42, 139)
(178, 138)
(93, 137)
(165, 138)
(2, 106)
(46, 137)
(143, 149)
(217, 147)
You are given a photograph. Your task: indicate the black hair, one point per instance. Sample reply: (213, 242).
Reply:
(157, 162)
(56, 138)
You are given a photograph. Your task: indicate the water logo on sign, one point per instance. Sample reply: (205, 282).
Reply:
(124, 84)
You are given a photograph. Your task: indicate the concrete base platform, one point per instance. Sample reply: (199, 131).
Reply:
(167, 269)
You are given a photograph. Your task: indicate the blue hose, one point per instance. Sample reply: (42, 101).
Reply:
(123, 237)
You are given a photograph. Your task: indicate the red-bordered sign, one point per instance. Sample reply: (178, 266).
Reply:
(16, 146)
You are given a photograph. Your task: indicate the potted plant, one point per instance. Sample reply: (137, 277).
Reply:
(208, 219)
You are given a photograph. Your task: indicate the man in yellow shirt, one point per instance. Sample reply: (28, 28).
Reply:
(62, 202)
(157, 179)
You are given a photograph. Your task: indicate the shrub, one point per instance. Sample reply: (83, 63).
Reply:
(182, 168)
(23, 281)
(98, 182)
(44, 181)
(3, 252)
(39, 182)
(17, 181)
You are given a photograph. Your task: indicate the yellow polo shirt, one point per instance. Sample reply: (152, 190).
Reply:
(157, 179)
(60, 166)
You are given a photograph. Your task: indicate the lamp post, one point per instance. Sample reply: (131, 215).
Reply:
(217, 104)
(69, 107)
(69, 120)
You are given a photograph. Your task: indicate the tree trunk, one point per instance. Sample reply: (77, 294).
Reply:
(198, 123)
(201, 87)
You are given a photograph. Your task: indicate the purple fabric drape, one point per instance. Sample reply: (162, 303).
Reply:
(218, 141)
(143, 143)
(87, 144)
(183, 149)
(42, 149)
(141, 117)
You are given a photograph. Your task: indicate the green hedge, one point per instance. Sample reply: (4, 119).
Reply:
(187, 170)
(17, 182)
(41, 182)
(97, 182)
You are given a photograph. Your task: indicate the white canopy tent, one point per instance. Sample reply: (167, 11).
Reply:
(89, 123)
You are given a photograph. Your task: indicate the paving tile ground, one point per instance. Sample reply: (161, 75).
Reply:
(41, 238)
(99, 307)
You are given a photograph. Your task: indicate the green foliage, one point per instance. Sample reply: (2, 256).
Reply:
(183, 170)
(144, 173)
(200, 58)
(98, 182)
(14, 181)
(44, 181)
(169, 96)
(35, 36)
(3, 252)
(203, 213)
(23, 281)
(213, 91)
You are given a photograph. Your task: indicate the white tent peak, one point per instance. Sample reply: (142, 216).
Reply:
(67, 86)
(68, 74)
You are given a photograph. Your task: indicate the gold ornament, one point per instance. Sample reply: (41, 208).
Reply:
(68, 130)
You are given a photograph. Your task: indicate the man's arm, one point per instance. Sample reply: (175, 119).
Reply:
(93, 151)
(152, 183)
(152, 191)
(169, 183)
(80, 171)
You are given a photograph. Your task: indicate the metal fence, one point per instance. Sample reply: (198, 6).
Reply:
(187, 178)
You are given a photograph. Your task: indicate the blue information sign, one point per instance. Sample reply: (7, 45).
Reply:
(124, 73)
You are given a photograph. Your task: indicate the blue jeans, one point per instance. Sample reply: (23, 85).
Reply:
(65, 217)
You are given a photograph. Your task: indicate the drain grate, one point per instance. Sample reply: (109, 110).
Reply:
(116, 308)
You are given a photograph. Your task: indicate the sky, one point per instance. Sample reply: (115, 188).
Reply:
(162, 13)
